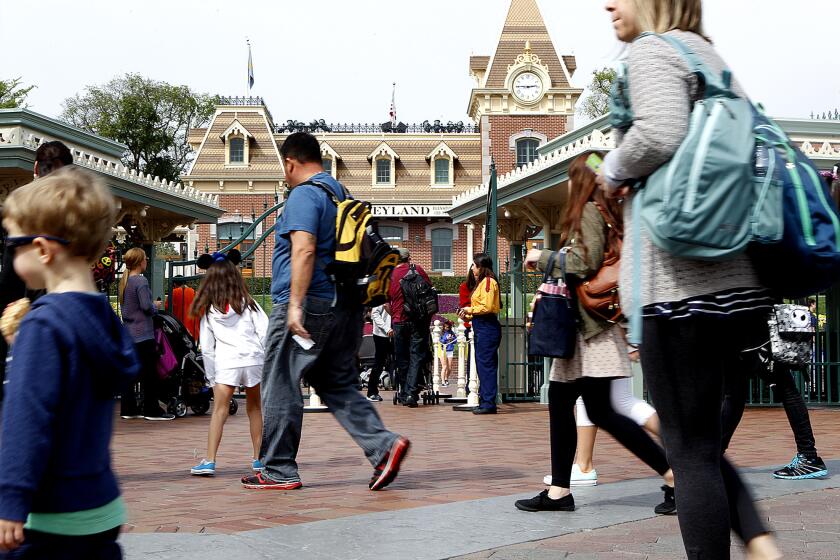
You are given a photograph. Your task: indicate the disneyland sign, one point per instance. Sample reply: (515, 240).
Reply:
(410, 211)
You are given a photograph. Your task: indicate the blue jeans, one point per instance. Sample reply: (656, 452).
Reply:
(46, 546)
(330, 368)
(488, 335)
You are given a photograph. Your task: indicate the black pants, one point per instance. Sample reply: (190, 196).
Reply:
(686, 362)
(784, 391)
(596, 397)
(411, 348)
(382, 348)
(149, 383)
(46, 546)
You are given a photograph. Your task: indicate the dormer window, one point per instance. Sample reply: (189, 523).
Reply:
(237, 150)
(383, 162)
(329, 159)
(442, 166)
(237, 142)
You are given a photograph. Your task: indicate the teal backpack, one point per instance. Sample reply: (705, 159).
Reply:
(699, 205)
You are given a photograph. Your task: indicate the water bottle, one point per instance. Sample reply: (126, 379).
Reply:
(761, 159)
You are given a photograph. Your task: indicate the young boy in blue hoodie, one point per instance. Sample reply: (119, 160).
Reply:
(59, 497)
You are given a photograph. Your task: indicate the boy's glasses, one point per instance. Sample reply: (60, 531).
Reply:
(23, 240)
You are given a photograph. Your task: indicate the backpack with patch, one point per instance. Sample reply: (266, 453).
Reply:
(420, 299)
(363, 261)
(797, 248)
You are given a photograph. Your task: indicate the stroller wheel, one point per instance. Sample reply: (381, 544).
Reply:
(201, 407)
(234, 406)
(178, 407)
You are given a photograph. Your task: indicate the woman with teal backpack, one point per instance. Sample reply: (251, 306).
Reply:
(687, 306)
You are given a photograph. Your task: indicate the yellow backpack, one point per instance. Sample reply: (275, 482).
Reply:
(363, 261)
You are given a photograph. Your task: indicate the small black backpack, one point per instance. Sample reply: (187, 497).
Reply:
(420, 298)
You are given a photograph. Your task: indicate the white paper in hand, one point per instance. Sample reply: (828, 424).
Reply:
(305, 343)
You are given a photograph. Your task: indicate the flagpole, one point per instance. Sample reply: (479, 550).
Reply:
(248, 74)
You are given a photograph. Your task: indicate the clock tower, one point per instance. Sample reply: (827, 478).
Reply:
(523, 95)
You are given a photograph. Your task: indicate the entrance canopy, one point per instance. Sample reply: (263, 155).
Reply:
(156, 206)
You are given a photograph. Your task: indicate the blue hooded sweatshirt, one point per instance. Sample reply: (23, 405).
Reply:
(70, 357)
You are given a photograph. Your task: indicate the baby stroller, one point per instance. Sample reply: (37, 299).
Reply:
(186, 386)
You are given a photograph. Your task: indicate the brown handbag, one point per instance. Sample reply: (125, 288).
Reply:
(599, 293)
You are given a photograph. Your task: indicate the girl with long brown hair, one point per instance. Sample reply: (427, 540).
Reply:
(697, 317)
(232, 337)
(137, 309)
(591, 224)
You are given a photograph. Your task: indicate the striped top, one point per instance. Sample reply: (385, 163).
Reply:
(720, 304)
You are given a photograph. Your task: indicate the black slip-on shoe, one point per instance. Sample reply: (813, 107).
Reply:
(541, 502)
(669, 503)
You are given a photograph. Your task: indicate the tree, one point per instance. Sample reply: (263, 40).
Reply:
(12, 95)
(152, 118)
(597, 103)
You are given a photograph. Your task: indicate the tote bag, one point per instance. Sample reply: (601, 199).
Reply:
(554, 321)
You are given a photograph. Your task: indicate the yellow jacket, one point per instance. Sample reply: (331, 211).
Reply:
(485, 298)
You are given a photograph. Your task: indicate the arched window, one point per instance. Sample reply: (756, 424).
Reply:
(442, 249)
(442, 171)
(383, 171)
(237, 150)
(391, 234)
(526, 151)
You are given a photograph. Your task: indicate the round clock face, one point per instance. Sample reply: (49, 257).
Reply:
(527, 86)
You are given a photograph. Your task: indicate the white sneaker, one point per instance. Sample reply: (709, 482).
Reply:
(579, 478)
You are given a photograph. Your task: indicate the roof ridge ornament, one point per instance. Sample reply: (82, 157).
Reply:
(528, 58)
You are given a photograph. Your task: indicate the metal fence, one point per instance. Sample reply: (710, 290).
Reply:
(522, 376)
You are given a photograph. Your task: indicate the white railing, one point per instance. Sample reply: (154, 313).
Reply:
(97, 163)
(596, 140)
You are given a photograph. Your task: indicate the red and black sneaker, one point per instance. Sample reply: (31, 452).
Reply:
(385, 473)
(259, 481)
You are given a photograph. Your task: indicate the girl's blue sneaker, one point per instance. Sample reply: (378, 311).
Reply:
(204, 468)
(257, 465)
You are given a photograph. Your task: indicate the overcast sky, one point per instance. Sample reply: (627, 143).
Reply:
(336, 59)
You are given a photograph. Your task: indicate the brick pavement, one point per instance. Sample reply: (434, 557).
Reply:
(456, 457)
(807, 528)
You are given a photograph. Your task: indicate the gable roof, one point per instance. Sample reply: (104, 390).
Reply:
(525, 23)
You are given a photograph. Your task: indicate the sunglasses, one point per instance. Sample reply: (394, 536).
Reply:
(23, 240)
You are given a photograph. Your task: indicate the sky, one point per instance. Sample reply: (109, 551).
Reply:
(336, 59)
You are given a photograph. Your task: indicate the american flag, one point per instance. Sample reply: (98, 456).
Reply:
(393, 112)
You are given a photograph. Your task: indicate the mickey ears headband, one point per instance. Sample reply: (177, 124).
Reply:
(205, 261)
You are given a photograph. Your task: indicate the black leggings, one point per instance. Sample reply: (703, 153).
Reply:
(596, 397)
(383, 349)
(149, 383)
(686, 362)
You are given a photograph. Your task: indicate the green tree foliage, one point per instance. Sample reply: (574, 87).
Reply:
(12, 95)
(152, 118)
(597, 103)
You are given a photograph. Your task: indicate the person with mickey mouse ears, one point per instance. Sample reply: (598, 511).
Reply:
(232, 336)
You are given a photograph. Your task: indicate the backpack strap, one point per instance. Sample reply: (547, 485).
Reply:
(328, 191)
(713, 85)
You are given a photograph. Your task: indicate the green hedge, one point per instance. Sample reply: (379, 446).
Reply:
(447, 284)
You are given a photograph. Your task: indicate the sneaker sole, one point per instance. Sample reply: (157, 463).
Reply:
(392, 467)
(575, 483)
(818, 474)
(669, 512)
(202, 473)
(535, 510)
(287, 486)
(157, 419)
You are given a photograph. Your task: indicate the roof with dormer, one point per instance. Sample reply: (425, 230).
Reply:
(525, 23)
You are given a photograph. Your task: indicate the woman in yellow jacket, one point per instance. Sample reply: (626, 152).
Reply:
(484, 309)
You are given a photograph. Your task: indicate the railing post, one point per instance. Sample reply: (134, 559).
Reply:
(461, 393)
(436, 347)
(315, 404)
(472, 399)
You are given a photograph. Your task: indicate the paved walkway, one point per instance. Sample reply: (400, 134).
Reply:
(460, 463)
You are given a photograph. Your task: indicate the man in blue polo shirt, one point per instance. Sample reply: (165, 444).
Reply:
(314, 332)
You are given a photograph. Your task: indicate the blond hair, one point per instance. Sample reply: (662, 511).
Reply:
(659, 16)
(68, 203)
(133, 258)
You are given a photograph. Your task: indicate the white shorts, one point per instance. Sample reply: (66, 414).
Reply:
(248, 376)
(623, 402)
(450, 355)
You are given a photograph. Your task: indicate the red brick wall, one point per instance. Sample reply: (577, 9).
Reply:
(502, 127)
